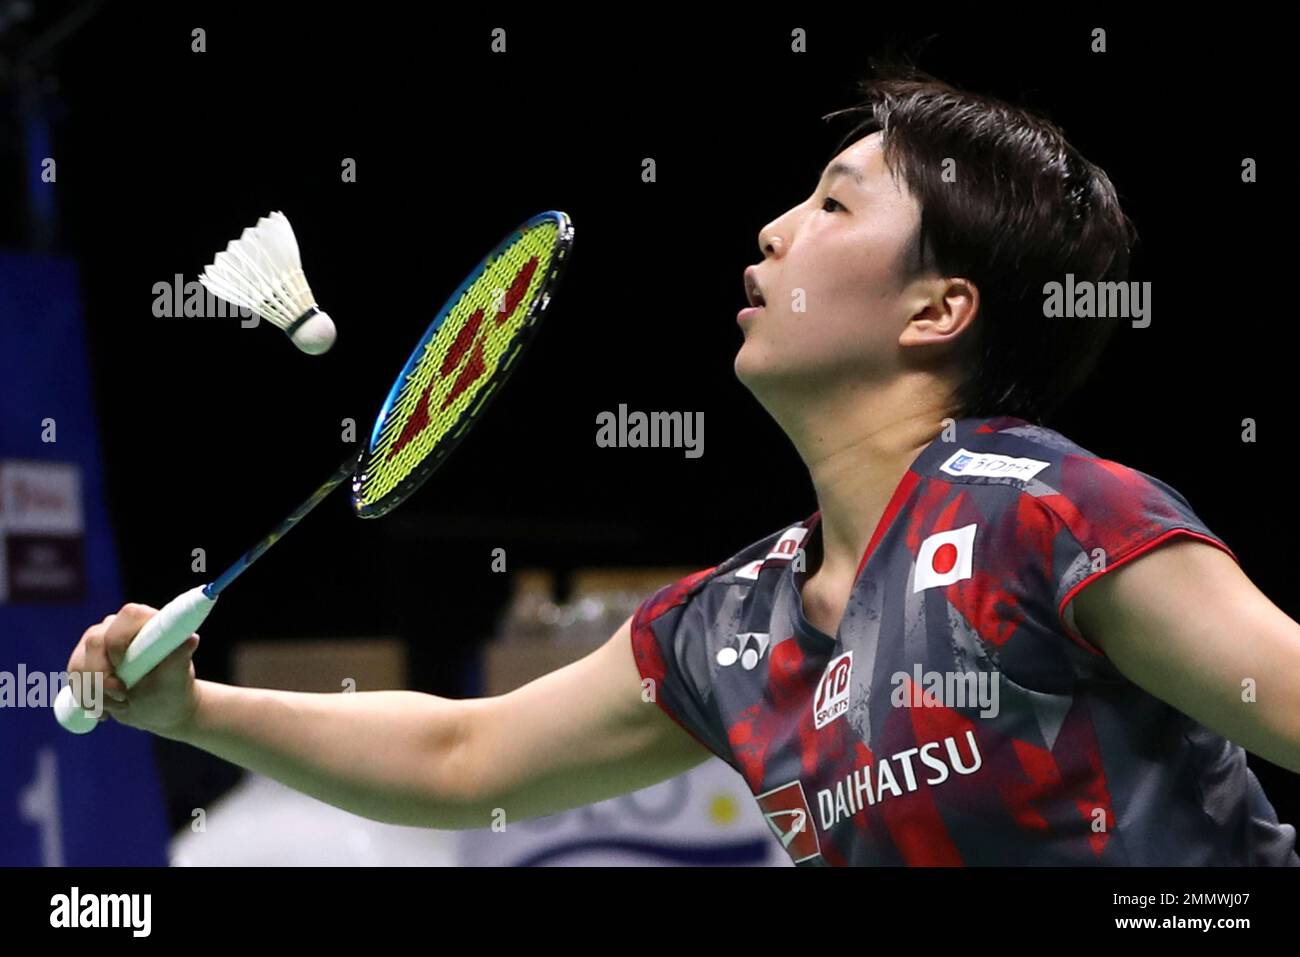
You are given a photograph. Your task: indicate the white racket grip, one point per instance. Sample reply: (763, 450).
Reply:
(161, 635)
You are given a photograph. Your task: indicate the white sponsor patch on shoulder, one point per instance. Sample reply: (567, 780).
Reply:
(788, 543)
(990, 465)
(784, 549)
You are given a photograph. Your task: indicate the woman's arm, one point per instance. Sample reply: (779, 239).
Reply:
(580, 734)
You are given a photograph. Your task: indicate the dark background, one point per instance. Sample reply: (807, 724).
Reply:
(210, 431)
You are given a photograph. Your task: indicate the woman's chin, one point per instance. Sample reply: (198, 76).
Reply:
(758, 372)
(747, 365)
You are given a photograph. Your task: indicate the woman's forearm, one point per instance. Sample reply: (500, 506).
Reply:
(392, 756)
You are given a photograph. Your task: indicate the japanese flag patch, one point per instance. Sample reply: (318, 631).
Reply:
(944, 558)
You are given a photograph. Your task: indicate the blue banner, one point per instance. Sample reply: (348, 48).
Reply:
(64, 800)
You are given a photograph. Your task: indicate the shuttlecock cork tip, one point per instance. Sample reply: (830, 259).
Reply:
(316, 335)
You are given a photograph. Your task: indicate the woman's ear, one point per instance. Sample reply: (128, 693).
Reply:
(945, 310)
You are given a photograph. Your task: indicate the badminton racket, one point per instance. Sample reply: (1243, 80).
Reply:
(456, 368)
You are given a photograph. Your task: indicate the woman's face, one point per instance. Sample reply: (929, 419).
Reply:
(832, 281)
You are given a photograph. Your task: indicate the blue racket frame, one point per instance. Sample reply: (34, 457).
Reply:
(408, 485)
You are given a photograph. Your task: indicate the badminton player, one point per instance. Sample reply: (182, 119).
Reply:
(987, 645)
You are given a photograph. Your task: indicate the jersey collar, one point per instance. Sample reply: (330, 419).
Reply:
(928, 458)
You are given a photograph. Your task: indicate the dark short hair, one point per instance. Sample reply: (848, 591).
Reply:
(1025, 209)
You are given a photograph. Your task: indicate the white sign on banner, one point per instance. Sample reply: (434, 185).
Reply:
(40, 497)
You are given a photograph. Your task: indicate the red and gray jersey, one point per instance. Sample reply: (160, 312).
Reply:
(958, 717)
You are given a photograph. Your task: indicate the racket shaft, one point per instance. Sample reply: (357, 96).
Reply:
(337, 478)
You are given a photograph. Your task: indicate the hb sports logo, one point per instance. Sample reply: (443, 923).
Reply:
(787, 813)
(832, 696)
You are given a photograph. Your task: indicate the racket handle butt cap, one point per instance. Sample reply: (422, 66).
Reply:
(72, 716)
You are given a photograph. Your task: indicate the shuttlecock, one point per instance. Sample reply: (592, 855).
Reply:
(262, 271)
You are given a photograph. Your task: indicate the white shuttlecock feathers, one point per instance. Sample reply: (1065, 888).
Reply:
(262, 271)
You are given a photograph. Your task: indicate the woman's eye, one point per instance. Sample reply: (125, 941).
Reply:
(831, 200)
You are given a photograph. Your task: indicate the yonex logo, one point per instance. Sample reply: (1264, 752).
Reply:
(832, 696)
(747, 647)
(469, 343)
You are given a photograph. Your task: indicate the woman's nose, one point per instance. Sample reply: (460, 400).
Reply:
(770, 242)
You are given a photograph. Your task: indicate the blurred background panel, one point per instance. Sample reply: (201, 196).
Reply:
(63, 799)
